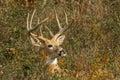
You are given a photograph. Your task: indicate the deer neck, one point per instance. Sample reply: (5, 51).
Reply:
(53, 66)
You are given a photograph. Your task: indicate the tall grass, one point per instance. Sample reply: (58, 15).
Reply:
(92, 42)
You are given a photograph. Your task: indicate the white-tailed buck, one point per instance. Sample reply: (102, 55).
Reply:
(51, 46)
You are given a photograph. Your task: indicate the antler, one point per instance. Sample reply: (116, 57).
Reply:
(51, 33)
(34, 38)
(61, 29)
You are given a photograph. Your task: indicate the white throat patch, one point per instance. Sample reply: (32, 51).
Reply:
(51, 61)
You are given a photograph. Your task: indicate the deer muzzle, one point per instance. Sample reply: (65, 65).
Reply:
(62, 52)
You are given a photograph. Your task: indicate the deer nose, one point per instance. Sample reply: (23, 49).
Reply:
(62, 53)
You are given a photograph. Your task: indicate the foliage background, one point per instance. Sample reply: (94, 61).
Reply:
(92, 43)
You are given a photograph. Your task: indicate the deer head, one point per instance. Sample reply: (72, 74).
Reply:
(51, 46)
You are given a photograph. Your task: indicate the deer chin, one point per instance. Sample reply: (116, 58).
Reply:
(64, 54)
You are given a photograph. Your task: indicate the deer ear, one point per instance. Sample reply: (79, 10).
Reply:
(60, 39)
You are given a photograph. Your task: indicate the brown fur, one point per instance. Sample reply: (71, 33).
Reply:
(53, 67)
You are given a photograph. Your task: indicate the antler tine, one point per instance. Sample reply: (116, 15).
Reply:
(51, 33)
(62, 30)
(66, 17)
(40, 28)
(66, 20)
(38, 25)
(32, 18)
(59, 25)
(30, 29)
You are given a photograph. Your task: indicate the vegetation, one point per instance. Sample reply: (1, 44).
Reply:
(92, 42)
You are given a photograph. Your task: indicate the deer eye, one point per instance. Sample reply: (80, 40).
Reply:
(50, 46)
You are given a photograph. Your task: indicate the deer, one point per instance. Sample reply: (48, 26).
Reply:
(51, 46)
